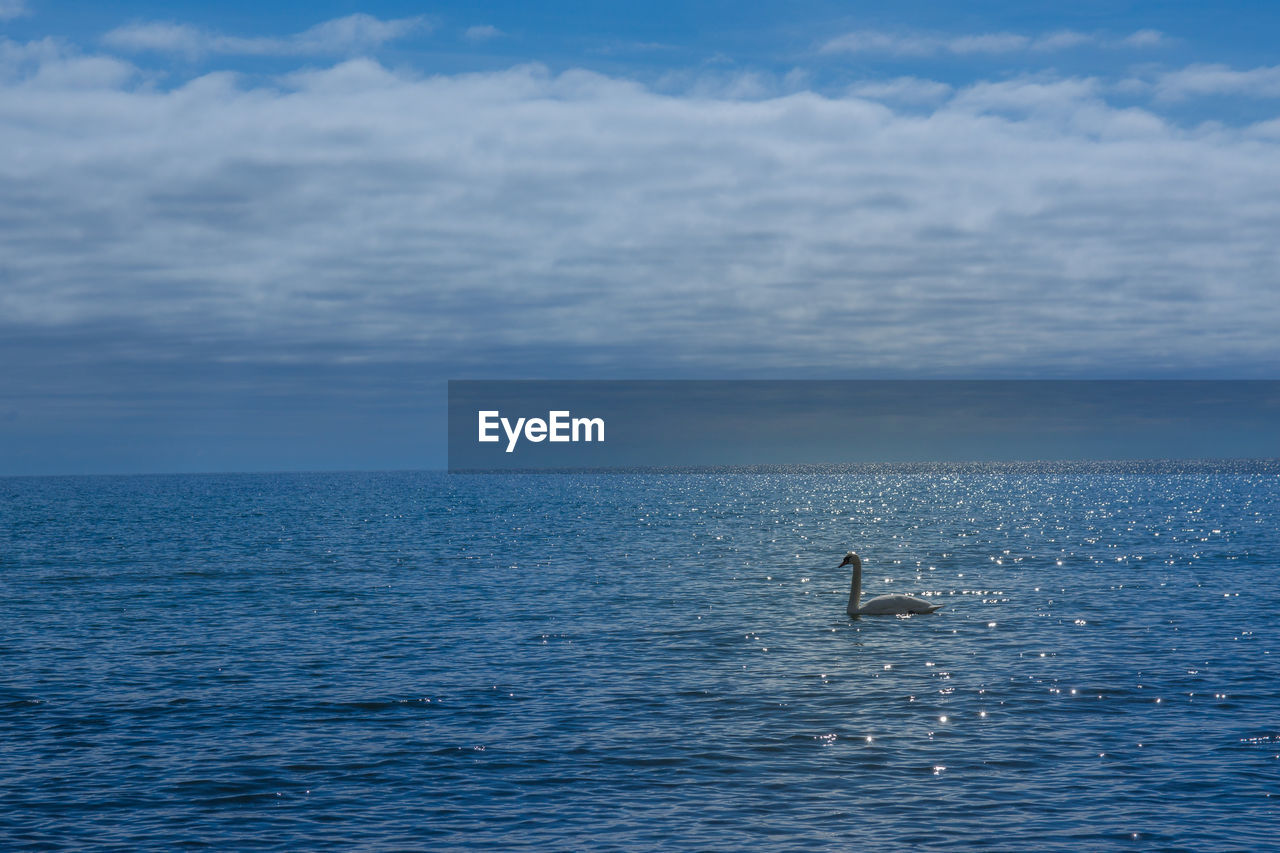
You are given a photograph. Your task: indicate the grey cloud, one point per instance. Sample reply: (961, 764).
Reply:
(521, 222)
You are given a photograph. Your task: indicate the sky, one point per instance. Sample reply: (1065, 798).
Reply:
(263, 236)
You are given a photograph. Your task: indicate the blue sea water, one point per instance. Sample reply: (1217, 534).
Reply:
(645, 661)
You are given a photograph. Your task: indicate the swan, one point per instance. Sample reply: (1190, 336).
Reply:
(881, 605)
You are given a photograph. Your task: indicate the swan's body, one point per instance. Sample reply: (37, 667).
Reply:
(896, 604)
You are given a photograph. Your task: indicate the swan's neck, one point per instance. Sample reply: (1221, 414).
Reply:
(855, 586)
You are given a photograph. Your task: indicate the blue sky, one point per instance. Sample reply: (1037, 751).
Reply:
(262, 236)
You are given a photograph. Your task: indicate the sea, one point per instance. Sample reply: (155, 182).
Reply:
(644, 660)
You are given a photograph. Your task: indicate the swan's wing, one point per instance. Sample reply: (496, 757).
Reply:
(890, 605)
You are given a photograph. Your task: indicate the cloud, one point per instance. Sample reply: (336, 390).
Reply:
(873, 41)
(523, 222)
(901, 89)
(341, 36)
(1146, 38)
(482, 32)
(1203, 80)
(916, 44)
(166, 38)
(355, 32)
(52, 64)
(1063, 40)
(10, 9)
(987, 43)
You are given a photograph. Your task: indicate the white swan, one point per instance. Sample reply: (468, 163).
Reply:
(881, 605)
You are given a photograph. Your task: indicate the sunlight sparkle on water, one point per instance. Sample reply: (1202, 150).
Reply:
(394, 586)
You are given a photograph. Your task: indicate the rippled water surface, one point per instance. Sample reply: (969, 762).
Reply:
(642, 662)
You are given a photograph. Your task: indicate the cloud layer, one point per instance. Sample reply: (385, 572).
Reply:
(10, 9)
(918, 44)
(350, 35)
(525, 222)
(1206, 80)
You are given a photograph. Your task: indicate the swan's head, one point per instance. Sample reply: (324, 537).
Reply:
(850, 559)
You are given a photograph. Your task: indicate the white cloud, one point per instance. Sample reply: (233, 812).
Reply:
(930, 44)
(1203, 80)
(873, 41)
(917, 44)
(1025, 95)
(10, 9)
(1063, 40)
(502, 222)
(1146, 38)
(482, 32)
(162, 38)
(340, 36)
(987, 43)
(907, 90)
(50, 63)
(354, 32)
